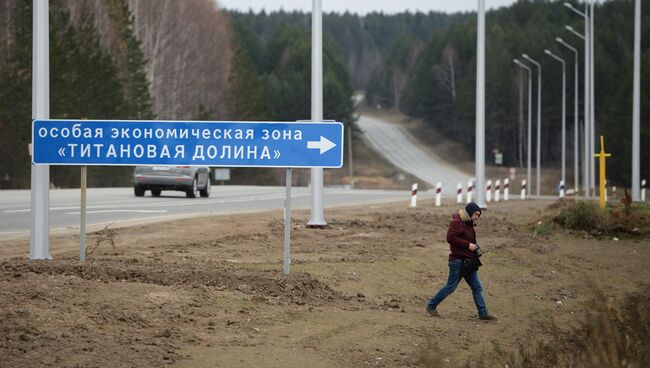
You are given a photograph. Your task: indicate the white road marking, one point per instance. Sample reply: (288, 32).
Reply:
(112, 211)
(170, 204)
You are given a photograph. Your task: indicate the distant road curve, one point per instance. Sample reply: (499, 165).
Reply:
(397, 145)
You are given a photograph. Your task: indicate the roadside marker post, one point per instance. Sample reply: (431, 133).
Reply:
(470, 186)
(523, 189)
(561, 188)
(506, 189)
(488, 191)
(497, 190)
(643, 190)
(602, 156)
(438, 194)
(459, 193)
(414, 195)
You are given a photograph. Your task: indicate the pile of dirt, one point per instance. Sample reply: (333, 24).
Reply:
(296, 288)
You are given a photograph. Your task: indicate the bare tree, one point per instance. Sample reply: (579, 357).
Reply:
(446, 70)
(188, 47)
(6, 27)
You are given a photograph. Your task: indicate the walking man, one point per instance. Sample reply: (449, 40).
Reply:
(463, 261)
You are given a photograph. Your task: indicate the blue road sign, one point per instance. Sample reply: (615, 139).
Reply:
(210, 143)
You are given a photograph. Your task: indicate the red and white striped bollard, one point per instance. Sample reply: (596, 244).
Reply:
(497, 191)
(488, 191)
(438, 194)
(414, 195)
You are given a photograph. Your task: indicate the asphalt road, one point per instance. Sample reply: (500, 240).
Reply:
(402, 150)
(119, 207)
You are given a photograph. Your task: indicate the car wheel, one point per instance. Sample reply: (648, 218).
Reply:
(193, 192)
(155, 192)
(138, 191)
(205, 192)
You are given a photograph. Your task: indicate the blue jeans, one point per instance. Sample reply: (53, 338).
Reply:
(472, 280)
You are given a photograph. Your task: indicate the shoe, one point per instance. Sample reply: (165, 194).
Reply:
(488, 317)
(432, 311)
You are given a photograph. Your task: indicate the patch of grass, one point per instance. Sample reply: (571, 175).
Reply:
(623, 219)
(544, 229)
(580, 215)
(610, 336)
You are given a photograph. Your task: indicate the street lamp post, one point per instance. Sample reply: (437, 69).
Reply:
(529, 136)
(316, 219)
(636, 132)
(592, 102)
(549, 53)
(39, 240)
(576, 177)
(588, 167)
(539, 119)
(480, 106)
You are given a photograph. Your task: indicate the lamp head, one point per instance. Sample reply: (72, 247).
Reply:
(548, 52)
(558, 39)
(569, 28)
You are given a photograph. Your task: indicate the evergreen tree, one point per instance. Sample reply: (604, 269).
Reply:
(84, 84)
(16, 102)
(131, 63)
(245, 99)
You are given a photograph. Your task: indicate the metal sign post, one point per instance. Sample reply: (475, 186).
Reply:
(287, 223)
(82, 223)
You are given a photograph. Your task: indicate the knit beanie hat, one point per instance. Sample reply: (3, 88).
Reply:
(471, 208)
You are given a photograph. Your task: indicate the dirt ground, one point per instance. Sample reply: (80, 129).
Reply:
(210, 292)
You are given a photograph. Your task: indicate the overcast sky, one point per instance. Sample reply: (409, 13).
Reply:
(363, 6)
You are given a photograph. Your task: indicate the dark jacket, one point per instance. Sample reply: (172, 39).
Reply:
(459, 235)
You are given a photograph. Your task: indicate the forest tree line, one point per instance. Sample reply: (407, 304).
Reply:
(424, 65)
(129, 59)
(441, 86)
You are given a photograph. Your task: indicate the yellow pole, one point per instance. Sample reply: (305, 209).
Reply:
(601, 156)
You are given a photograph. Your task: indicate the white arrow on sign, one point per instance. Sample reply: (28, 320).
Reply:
(324, 144)
(62, 152)
(276, 154)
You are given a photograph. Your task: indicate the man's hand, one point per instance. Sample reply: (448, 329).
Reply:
(472, 247)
